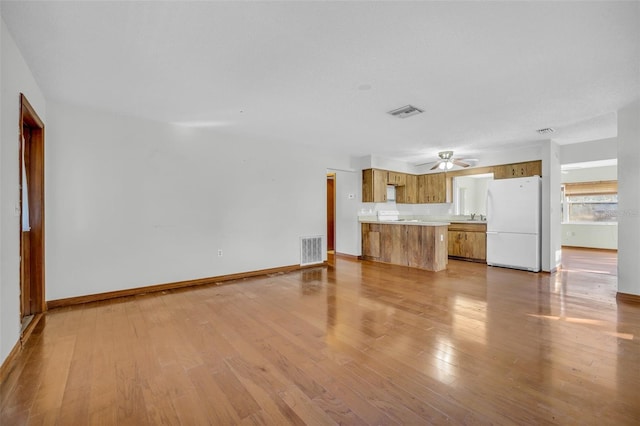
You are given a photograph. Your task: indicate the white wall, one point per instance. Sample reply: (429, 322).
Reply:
(602, 149)
(590, 174)
(132, 203)
(15, 77)
(551, 207)
(629, 199)
(348, 202)
(591, 235)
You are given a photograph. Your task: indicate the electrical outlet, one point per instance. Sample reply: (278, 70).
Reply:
(219, 252)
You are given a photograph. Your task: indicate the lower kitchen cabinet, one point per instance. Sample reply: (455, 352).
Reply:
(468, 241)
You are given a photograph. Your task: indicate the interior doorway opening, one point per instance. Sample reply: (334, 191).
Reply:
(31, 202)
(331, 213)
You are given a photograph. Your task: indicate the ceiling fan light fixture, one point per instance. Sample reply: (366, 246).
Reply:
(446, 161)
(448, 165)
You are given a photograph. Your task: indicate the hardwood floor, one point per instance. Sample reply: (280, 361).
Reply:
(355, 343)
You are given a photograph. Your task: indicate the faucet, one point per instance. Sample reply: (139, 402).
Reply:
(483, 217)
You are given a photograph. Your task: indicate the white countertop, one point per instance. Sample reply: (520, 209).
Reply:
(479, 222)
(406, 222)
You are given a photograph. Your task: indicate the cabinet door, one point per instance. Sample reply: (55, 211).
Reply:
(438, 188)
(422, 191)
(534, 168)
(407, 194)
(432, 188)
(519, 170)
(455, 243)
(468, 245)
(396, 178)
(508, 171)
(501, 172)
(374, 186)
(477, 245)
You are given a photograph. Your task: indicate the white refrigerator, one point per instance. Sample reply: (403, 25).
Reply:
(513, 223)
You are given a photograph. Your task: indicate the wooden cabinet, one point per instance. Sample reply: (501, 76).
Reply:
(375, 181)
(407, 194)
(396, 178)
(418, 246)
(468, 241)
(437, 188)
(374, 186)
(432, 188)
(528, 168)
(410, 189)
(384, 243)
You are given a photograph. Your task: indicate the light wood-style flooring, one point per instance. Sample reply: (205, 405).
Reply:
(354, 343)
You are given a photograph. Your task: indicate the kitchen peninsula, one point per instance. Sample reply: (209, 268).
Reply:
(409, 243)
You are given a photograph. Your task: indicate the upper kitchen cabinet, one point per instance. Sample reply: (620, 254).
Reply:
(374, 186)
(375, 181)
(408, 194)
(528, 168)
(395, 178)
(432, 188)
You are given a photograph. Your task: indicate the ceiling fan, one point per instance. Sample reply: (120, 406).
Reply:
(446, 161)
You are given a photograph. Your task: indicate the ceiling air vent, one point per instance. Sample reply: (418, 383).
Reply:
(405, 111)
(545, 131)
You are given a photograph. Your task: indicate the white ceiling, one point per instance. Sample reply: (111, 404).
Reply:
(325, 73)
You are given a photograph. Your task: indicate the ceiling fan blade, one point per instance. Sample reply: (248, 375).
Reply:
(436, 166)
(460, 163)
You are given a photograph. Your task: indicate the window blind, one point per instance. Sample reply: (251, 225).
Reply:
(590, 188)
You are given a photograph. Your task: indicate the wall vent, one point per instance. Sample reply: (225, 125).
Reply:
(405, 111)
(545, 131)
(310, 250)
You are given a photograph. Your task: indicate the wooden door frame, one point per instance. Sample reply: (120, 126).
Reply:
(34, 148)
(331, 176)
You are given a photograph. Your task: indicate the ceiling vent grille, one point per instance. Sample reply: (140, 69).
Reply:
(545, 131)
(405, 111)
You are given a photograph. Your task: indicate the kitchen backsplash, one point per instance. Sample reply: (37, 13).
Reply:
(409, 211)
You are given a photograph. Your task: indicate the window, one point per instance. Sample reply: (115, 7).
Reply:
(591, 202)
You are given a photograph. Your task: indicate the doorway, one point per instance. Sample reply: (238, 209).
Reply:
(331, 213)
(31, 202)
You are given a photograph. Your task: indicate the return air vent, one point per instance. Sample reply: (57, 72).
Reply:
(310, 250)
(545, 131)
(405, 111)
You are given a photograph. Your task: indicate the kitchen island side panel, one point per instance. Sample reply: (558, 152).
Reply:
(416, 245)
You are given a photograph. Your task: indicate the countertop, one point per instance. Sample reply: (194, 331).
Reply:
(407, 222)
(423, 222)
(479, 222)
